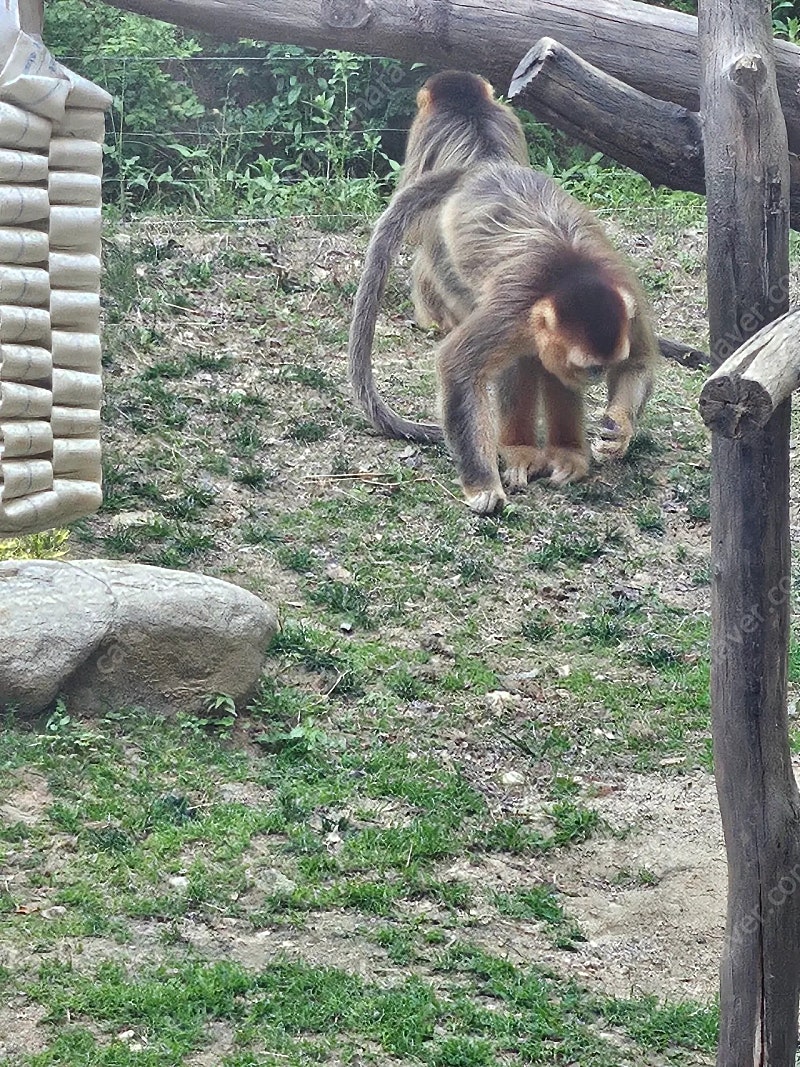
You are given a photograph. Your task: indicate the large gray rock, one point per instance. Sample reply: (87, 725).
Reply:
(53, 616)
(106, 635)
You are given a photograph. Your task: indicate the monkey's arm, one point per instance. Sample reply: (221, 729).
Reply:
(629, 386)
(408, 205)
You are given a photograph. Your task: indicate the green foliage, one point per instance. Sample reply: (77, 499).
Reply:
(785, 15)
(218, 716)
(52, 544)
(539, 902)
(301, 740)
(63, 733)
(249, 128)
(689, 6)
(119, 51)
(538, 626)
(237, 128)
(786, 19)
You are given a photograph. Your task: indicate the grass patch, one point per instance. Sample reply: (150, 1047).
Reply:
(574, 547)
(541, 903)
(300, 1013)
(351, 810)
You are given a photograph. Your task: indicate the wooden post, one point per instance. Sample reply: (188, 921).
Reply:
(747, 183)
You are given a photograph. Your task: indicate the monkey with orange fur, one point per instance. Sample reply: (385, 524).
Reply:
(536, 301)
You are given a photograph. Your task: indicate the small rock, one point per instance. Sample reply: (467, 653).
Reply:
(500, 699)
(124, 519)
(512, 778)
(275, 882)
(337, 573)
(54, 911)
(178, 881)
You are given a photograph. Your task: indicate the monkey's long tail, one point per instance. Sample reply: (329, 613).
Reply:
(387, 237)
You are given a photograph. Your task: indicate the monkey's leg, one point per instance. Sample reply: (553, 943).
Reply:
(567, 455)
(629, 385)
(464, 362)
(517, 391)
(429, 309)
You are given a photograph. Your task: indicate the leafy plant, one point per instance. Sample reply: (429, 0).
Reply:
(785, 15)
(150, 104)
(786, 19)
(52, 544)
(302, 739)
(232, 129)
(218, 716)
(62, 733)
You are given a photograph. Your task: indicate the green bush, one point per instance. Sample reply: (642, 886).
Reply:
(251, 128)
(118, 51)
(230, 127)
(785, 15)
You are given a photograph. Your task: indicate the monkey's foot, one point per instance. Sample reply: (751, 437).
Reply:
(522, 462)
(616, 432)
(484, 501)
(567, 464)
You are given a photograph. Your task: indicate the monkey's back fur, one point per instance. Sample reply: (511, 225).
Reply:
(508, 228)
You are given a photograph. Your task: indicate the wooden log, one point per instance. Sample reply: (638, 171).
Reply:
(651, 48)
(743, 394)
(747, 179)
(686, 355)
(662, 141)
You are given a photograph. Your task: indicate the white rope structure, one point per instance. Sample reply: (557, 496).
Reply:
(51, 134)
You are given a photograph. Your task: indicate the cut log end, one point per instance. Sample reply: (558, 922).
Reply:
(531, 64)
(735, 407)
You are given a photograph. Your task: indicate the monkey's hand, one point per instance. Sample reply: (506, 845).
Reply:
(522, 462)
(485, 501)
(567, 464)
(616, 433)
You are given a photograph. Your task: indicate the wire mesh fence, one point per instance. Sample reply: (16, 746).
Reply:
(236, 133)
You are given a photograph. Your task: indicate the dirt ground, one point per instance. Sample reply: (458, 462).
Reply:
(657, 932)
(648, 887)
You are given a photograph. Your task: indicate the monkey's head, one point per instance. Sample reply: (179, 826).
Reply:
(582, 327)
(455, 91)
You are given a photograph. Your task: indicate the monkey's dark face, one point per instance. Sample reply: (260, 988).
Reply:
(575, 348)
